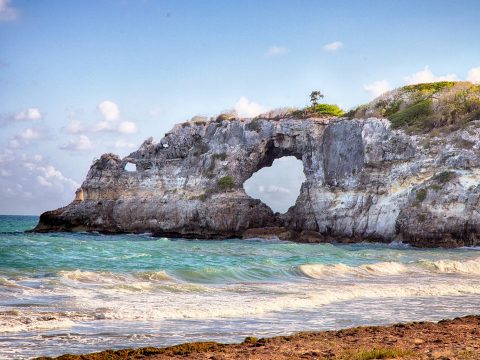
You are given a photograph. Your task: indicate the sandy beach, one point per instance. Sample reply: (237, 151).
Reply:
(458, 338)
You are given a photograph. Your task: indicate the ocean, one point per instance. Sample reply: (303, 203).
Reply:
(76, 293)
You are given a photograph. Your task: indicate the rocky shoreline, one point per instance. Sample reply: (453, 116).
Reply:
(447, 339)
(364, 182)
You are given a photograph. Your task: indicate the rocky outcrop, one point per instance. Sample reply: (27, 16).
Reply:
(364, 181)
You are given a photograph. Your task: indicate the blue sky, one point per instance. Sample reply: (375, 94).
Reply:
(80, 78)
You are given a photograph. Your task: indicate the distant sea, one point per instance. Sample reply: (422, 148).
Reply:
(80, 293)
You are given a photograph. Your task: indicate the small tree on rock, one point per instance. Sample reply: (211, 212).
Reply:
(314, 96)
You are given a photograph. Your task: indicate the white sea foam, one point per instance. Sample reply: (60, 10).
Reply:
(317, 271)
(21, 321)
(466, 267)
(256, 300)
(173, 301)
(8, 283)
(153, 276)
(470, 267)
(98, 277)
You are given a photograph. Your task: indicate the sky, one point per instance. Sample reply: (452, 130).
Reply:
(81, 78)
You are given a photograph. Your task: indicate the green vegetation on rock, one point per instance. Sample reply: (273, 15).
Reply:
(370, 354)
(182, 349)
(326, 110)
(226, 183)
(421, 195)
(412, 115)
(422, 108)
(227, 116)
(430, 87)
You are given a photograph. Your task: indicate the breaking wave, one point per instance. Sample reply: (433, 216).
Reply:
(317, 271)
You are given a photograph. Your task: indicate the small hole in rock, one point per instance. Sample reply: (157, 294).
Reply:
(130, 167)
(277, 186)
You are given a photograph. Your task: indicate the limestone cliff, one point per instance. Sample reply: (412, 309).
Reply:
(364, 181)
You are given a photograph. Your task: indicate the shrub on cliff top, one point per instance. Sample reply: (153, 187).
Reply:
(413, 115)
(327, 110)
(320, 110)
(421, 108)
(226, 116)
(430, 87)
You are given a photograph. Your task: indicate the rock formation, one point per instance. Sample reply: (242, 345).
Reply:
(364, 181)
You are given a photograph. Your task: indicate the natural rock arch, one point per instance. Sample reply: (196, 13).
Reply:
(361, 181)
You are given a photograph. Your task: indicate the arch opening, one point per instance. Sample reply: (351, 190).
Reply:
(277, 185)
(130, 167)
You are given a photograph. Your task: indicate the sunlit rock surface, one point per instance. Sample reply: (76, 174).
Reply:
(364, 181)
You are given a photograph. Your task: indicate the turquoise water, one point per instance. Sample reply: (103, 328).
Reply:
(86, 292)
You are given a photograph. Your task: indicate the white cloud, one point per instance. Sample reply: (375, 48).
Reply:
(29, 134)
(28, 114)
(7, 12)
(42, 181)
(30, 185)
(82, 143)
(248, 109)
(273, 189)
(109, 110)
(474, 75)
(426, 76)
(276, 50)
(123, 144)
(74, 127)
(111, 120)
(105, 126)
(333, 46)
(127, 127)
(377, 88)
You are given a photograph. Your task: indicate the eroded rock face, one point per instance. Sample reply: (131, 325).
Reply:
(363, 182)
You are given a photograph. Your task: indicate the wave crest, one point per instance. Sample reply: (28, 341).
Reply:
(317, 271)
(381, 268)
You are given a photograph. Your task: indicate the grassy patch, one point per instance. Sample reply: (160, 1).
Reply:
(430, 87)
(413, 115)
(326, 110)
(226, 183)
(250, 340)
(422, 108)
(320, 110)
(229, 116)
(392, 108)
(370, 354)
(421, 195)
